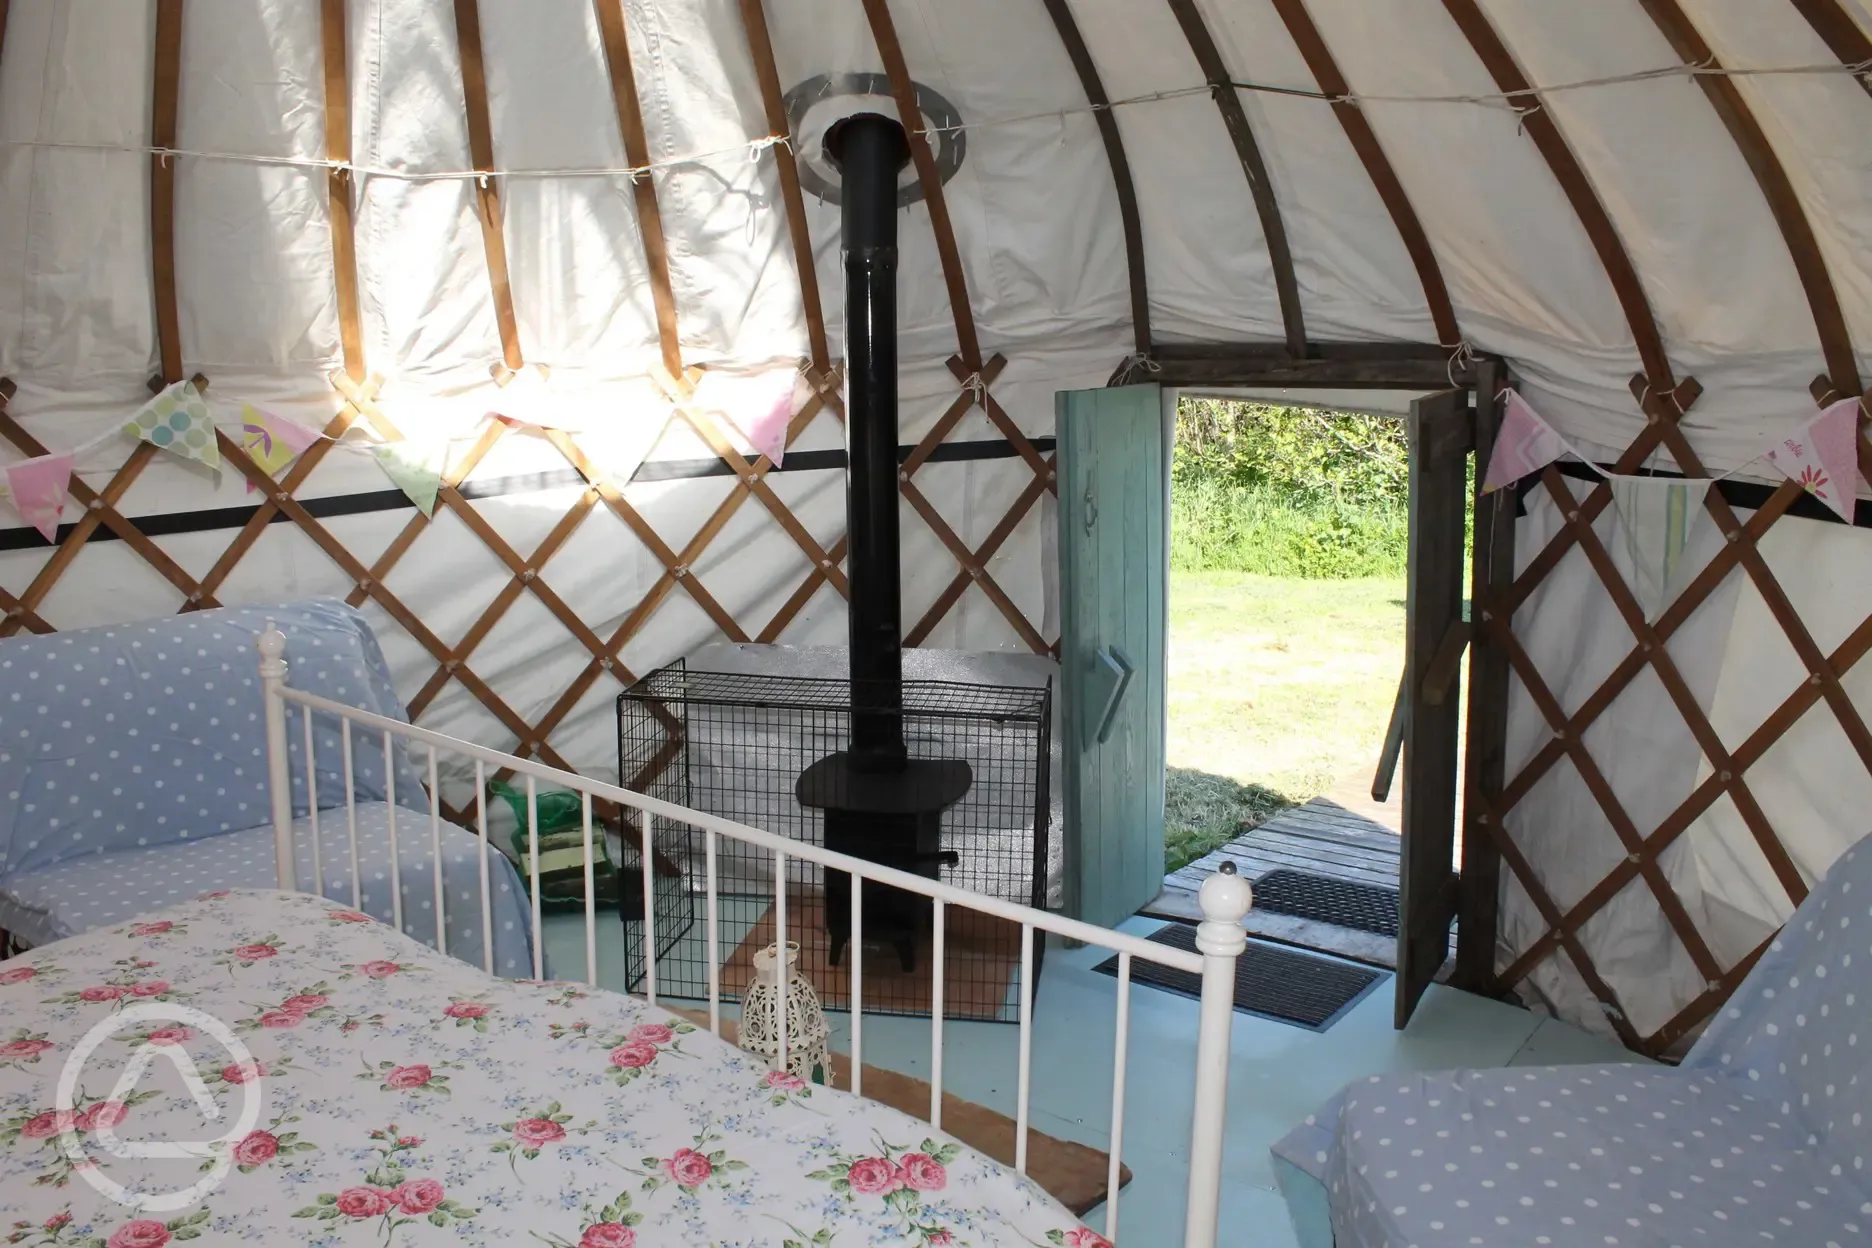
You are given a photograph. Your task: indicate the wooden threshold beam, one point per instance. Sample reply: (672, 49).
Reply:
(1352, 365)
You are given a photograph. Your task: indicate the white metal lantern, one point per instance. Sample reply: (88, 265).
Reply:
(806, 1029)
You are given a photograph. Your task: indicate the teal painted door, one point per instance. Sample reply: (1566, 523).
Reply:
(1114, 522)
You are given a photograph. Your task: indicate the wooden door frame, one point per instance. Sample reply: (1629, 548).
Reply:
(1477, 882)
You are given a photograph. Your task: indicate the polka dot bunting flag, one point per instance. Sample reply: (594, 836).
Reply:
(177, 421)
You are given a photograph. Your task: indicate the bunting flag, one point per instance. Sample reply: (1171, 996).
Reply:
(528, 398)
(272, 441)
(1658, 514)
(762, 405)
(39, 488)
(1524, 445)
(416, 469)
(177, 421)
(1823, 458)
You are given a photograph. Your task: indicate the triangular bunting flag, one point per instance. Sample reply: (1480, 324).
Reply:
(416, 469)
(272, 441)
(39, 487)
(1524, 445)
(1823, 457)
(177, 421)
(762, 405)
(1658, 514)
(527, 397)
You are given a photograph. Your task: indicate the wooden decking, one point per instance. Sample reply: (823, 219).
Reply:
(1336, 835)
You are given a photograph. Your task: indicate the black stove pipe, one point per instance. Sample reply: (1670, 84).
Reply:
(869, 152)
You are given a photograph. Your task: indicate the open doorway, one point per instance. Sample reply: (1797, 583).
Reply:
(1289, 541)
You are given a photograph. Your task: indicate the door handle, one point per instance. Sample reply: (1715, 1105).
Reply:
(1110, 677)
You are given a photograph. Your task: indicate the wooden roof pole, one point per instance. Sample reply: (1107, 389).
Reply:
(101, 506)
(903, 89)
(1664, 399)
(1083, 65)
(1540, 127)
(336, 50)
(1840, 33)
(487, 189)
(616, 36)
(1726, 98)
(1235, 117)
(773, 100)
(1319, 59)
(167, 104)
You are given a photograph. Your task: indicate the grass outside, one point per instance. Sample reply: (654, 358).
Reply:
(1279, 687)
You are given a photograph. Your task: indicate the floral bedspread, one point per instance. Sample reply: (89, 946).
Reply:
(367, 1091)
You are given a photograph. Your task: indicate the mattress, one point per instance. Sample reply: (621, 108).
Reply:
(370, 1091)
(53, 903)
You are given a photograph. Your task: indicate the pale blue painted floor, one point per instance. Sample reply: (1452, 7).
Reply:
(1278, 1075)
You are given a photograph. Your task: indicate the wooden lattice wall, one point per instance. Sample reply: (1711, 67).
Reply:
(974, 375)
(1493, 796)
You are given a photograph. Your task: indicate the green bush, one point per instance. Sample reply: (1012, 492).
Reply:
(1288, 491)
(1219, 526)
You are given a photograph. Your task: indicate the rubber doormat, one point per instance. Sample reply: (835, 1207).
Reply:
(1276, 983)
(1344, 903)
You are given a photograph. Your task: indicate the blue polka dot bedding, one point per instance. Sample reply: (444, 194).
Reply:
(1762, 1136)
(133, 775)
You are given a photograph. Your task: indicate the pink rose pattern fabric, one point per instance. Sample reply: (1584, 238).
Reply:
(411, 1100)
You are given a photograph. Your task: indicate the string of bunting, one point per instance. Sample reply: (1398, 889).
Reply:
(1659, 515)
(762, 404)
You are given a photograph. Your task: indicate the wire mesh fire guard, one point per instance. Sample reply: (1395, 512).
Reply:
(970, 808)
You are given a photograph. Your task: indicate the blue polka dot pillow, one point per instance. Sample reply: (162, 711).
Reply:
(146, 734)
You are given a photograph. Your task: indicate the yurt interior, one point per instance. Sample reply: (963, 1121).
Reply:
(584, 623)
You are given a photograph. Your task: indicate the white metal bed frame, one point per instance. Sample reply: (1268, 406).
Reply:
(1220, 939)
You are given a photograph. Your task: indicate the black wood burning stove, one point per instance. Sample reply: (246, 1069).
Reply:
(879, 803)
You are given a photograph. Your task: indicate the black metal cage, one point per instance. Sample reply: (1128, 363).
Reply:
(968, 806)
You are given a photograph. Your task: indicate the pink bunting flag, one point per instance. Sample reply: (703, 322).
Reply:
(272, 441)
(1524, 445)
(762, 405)
(1823, 457)
(39, 488)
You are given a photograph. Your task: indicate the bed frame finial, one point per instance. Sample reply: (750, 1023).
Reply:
(1225, 898)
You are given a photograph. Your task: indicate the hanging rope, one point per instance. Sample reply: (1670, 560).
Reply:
(1520, 102)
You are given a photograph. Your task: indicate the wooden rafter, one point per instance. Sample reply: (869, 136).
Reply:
(616, 36)
(1248, 151)
(101, 507)
(903, 89)
(1371, 154)
(1840, 33)
(1083, 65)
(773, 101)
(1725, 96)
(1574, 184)
(487, 191)
(167, 105)
(335, 49)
